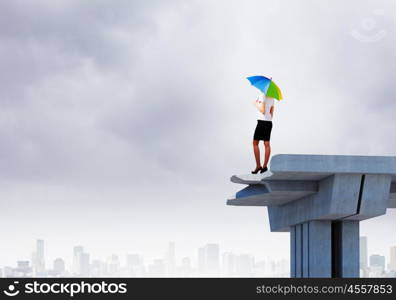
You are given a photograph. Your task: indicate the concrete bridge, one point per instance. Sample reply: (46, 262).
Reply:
(320, 200)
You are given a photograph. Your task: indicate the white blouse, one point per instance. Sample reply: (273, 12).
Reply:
(268, 103)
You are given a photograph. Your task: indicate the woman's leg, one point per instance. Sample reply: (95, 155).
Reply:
(267, 154)
(256, 151)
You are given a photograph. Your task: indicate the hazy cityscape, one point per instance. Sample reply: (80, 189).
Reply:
(208, 261)
(375, 265)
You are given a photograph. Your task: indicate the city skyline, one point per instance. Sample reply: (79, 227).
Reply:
(374, 265)
(208, 261)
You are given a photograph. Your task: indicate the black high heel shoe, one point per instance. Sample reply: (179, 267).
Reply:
(256, 170)
(263, 170)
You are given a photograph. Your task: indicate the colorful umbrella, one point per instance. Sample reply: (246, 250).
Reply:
(267, 86)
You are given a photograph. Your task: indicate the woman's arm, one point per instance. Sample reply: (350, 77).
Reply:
(260, 106)
(272, 111)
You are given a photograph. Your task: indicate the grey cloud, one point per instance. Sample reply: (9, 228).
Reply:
(170, 112)
(147, 82)
(43, 38)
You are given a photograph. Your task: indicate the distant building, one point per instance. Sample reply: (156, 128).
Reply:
(157, 268)
(77, 252)
(377, 261)
(377, 265)
(98, 268)
(229, 264)
(135, 265)
(9, 272)
(38, 260)
(261, 269)
(113, 266)
(171, 259)
(201, 260)
(282, 268)
(186, 268)
(392, 259)
(363, 256)
(212, 259)
(81, 263)
(58, 267)
(23, 269)
(84, 264)
(245, 265)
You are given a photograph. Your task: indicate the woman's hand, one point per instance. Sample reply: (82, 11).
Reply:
(259, 105)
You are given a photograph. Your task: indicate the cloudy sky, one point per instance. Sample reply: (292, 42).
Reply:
(121, 122)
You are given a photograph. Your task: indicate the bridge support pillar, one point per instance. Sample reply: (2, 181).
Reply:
(324, 248)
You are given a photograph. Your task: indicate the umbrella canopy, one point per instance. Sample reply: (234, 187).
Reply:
(267, 86)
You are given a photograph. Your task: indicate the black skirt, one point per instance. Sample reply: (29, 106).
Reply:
(263, 130)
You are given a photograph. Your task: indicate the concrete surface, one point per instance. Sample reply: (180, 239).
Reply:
(320, 199)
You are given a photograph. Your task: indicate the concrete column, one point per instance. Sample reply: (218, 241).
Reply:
(345, 249)
(325, 249)
(311, 249)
